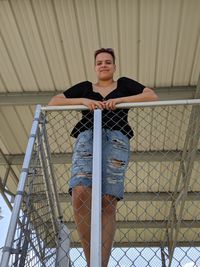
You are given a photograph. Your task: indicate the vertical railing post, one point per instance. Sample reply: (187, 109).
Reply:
(95, 241)
(63, 249)
(19, 195)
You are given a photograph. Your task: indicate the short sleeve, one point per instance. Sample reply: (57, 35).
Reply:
(76, 91)
(131, 87)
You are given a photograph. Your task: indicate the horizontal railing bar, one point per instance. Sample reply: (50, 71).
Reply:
(129, 105)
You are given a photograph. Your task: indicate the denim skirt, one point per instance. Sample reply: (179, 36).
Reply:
(115, 157)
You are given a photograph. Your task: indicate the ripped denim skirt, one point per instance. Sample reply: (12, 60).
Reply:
(115, 157)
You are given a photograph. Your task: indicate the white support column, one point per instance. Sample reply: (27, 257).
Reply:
(7, 250)
(95, 244)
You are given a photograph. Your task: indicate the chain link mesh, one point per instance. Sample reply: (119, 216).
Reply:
(158, 219)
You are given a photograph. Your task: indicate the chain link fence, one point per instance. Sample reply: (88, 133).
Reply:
(158, 221)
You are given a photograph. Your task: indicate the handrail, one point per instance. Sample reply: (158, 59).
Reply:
(96, 227)
(128, 105)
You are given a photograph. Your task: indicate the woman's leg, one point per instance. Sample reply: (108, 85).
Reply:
(81, 202)
(109, 204)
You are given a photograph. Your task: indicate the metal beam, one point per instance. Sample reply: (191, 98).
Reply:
(133, 196)
(136, 156)
(33, 98)
(142, 244)
(148, 224)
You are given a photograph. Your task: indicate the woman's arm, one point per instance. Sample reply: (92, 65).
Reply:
(61, 100)
(147, 95)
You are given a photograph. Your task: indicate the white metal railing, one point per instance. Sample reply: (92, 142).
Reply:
(130, 105)
(95, 245)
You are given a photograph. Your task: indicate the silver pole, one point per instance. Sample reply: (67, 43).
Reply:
(46, 179)
(19, 195)
(62, 259)
(51, 172)
(130, 105)
(95, 242)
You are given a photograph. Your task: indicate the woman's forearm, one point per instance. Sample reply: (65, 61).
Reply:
(61, 100)
(146, 95)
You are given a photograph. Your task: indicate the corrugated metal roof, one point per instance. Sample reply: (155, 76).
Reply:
(48, 45)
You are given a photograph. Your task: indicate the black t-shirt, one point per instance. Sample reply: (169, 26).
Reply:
(111, 119)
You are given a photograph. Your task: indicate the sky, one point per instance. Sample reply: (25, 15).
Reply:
(190, 264)
(4, 222)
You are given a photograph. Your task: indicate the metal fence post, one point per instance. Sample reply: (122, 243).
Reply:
(95, 244)
(18, 199)
(62, 254)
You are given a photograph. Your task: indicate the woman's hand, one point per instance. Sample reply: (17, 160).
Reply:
(111, 103)
(92, 104)
(108, 104)
(147, 95)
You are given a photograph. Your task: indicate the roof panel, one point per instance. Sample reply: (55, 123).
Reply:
(196, 65)
(2, 84)
(49, 44)
(7, 136)
(12, 131)
(108, 22)
(187, 43)
(36, 54)
(25, 116)
(128, 31)
(149, 34)
(15, 48)
(170, 12)
(88, 32)
(191, 211)
(189, 234)
(8, 77)
(51, 40)
(70, 38)
(3, 146)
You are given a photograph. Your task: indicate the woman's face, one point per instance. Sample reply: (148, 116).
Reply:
(104, 66)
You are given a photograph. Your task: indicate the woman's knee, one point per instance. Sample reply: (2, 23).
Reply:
(81, 196)
(109, 204)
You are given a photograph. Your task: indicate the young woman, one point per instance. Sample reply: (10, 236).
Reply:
(116, 133)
